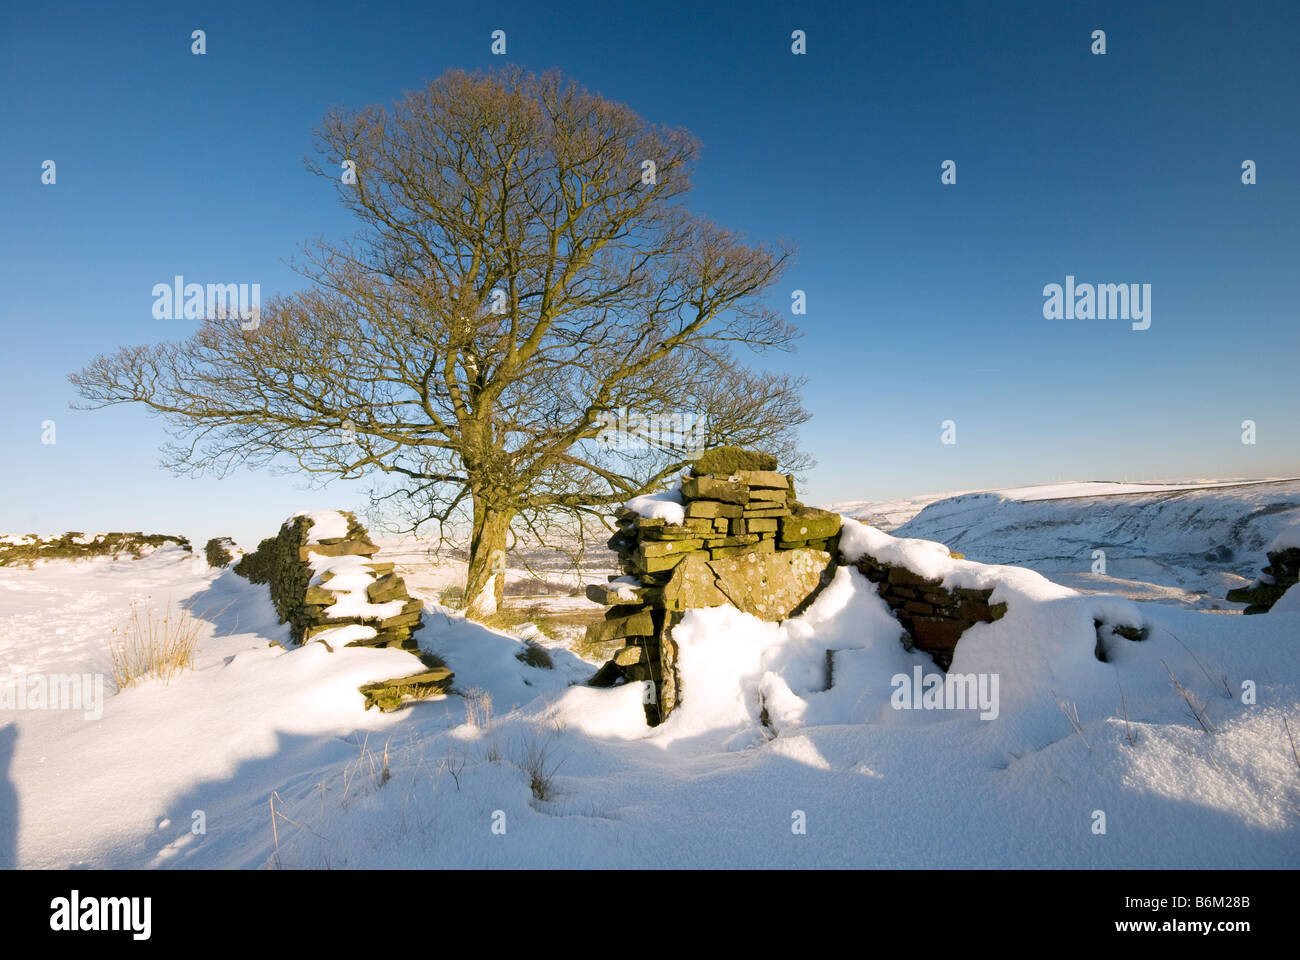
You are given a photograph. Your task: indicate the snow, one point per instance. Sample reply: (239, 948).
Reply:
(734, 665)
(1184, 547)
(605, 714)
(889, 515)
(350, 578)
(935, 562)
(346, 573)
(665, 506)
(246, 707)
(1289, 602)
(1287, 539)
(353, 603)
(625, 588)
(759, 736)
(1097, 488)
(325, 525)
(342, 636)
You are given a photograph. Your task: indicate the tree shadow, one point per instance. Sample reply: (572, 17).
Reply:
(233, 605)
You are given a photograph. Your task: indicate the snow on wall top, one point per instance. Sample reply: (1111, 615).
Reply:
(932, 560)
(666, 506)
(325, 525)
(1288, 538)
(349, 581)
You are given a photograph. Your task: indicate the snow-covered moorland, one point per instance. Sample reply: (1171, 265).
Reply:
(1179, 543)
(262, 756)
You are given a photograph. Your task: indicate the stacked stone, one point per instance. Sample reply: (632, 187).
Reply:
(220, 551)
(726, 515)
(1281, 574)
(933, 616)
(738, 512)
(75, 545)
(298, 570)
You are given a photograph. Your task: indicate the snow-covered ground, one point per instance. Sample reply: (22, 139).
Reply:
(762, 766)
(1185, 544)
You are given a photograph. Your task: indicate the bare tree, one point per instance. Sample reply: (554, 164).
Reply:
(524, 266)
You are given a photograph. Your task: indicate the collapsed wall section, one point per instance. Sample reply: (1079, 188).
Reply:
(323, 577)
(1281, 574)
(326, 584)
(934, 616)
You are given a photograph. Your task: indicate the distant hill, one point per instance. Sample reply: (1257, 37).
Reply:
(1180, 543)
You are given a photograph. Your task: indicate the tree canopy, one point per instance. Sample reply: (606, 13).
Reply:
(524, 267)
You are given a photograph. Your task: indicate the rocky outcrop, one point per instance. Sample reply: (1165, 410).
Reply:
(740, 538)
(1281, 574)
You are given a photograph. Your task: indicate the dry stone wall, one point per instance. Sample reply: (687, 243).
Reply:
(319, 584)
(933, 616)
(1281, 574)
(739, 538)
(330, 590)
(220, 551)
(75, 545)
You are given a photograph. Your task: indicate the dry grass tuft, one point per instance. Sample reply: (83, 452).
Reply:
(1071, 712)
(153, 643)
(536, 759)
(478, 708)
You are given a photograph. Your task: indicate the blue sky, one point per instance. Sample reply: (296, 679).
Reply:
(924, 300)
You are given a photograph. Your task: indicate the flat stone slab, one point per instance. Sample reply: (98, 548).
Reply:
(768, 479)
(725, 461)
(764, 510)
(709, 488)
(612, 594)
(661, 548)
(640, 624)
(348, 548)
(771, 586)
(388, 695)
(712, 509)
(386, 588)
(657, 564)
(810, 524)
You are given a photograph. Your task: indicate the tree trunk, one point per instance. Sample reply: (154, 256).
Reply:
(485, 585)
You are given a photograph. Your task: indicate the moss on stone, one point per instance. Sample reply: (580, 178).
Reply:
(724, 461)
(217, 551)
(389, 695)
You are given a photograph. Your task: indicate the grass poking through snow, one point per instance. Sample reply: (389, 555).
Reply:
(152, 643)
